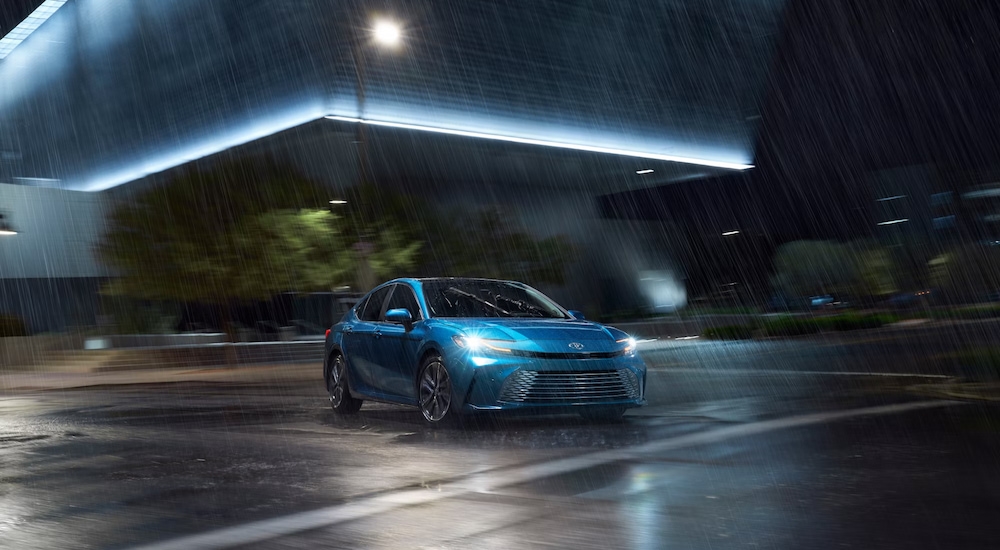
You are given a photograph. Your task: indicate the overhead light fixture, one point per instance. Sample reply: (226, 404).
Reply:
(544, 143)
(892, 198)
(338, 201)
(730, 233)
(643, 172)
(894, 222)
(30, 24)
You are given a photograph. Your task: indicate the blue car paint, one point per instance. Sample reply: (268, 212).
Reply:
(383, 359)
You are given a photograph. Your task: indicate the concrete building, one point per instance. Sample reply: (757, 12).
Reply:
(543, 106)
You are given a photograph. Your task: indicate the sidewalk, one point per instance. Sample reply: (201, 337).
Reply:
(261, 374)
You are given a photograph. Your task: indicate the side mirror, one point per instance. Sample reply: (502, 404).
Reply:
(577, 314)
(401, 316)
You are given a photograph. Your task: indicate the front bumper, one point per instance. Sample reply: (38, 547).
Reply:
(508, 383)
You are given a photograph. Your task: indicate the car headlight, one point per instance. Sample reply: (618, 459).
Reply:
(629, 345)
(475, 343)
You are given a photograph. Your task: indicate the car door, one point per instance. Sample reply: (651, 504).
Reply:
(396, 346)
(359, 342)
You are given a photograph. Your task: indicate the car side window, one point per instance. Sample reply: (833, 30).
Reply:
(403, 297)
(373, 307)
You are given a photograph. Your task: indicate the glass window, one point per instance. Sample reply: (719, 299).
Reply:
(373, 307)
(486, 298)
(404, 298)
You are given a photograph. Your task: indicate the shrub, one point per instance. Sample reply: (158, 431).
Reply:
(854, 321)
(982, 311)
(728, 332)
(789, 326)
(11, 325)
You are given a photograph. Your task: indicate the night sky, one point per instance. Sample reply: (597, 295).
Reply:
(864, 86)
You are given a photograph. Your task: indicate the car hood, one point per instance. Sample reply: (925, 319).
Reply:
(549, 335)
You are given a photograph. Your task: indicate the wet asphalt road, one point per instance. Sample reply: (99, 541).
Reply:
(743, 445)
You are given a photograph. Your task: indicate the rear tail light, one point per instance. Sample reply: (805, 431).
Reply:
(327, 333)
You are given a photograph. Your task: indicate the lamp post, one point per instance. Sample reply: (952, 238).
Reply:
(387, 34)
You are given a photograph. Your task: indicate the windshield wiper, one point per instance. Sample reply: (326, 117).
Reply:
(478, 299)
(531, 310)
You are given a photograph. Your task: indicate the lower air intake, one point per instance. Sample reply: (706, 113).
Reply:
(527, 386)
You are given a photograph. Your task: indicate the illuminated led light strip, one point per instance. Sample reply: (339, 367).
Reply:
(203, 148)
(30, 24)
(544, 143)
(894, 222)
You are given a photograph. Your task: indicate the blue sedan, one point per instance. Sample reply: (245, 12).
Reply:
(451, 346)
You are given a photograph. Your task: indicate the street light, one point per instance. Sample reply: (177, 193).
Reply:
(387, 32)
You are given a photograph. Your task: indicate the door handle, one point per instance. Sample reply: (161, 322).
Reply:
(378, 333)
(348, 329)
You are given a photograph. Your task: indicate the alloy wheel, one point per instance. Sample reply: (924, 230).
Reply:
(435, 392)
(335, 382)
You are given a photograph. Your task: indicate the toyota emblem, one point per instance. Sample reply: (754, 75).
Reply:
(576, 345)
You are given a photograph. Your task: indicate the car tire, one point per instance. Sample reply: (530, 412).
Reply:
(338, 387)
(434, 393)
(603, 414)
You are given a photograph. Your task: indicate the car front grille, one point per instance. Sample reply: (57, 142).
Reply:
(568, 355)
(528, 386)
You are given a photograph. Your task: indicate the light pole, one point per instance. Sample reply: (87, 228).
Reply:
(387, 34)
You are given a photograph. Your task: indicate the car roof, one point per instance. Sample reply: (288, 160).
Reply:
(418, 281)
(471, 279)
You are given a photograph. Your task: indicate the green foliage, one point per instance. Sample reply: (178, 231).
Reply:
(968, 272)
(797, 326)
(135, 317)
(876, 272)
(980, 311)
(242, 231)
(805, 268)
(11, 325)
(788, 326)
(728, 332)
(487, 244)
(855, 321)
(300, 250)
(697, 311)
(810, 268)
(250, 229)
(394, 253)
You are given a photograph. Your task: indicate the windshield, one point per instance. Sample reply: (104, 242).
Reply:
(471, 298)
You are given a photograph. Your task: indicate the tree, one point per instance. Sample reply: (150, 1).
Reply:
(487, 244)
(479, 243)
(808, 268)
(877, 273)
(243, 231)
(967, 273)
(247, 230)
(861, 270)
